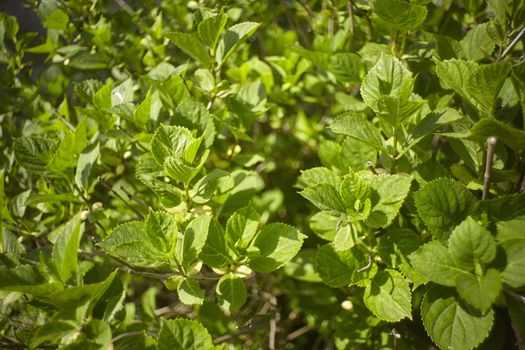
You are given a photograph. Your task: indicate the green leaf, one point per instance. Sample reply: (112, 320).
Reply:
(471, 243)
(391, 191)
(57, 20)
(388, 77)
(511, 229)
(193, 240)
(242, 227)
(52, 332)
(400, 14)
(302, 266)
(190, 293)
(161, 231)
(194, 115)
(35, 153)
(215, 251)
(505, 133)
(325, 197)
(433, 261)
(359, 128)
(169, 141)
(86, 160)
(211, 29)
(479, 85)
(443, 204)
(323, 224)
(89, 61)
(337, 268)
(65, 249)
(346, 67)
(192, 46)
(314, 176)
(480, 291)
(514, 272)
(183, 334)
(449, 324)
(477, 43)
(396, 110)
(277, 244)
(27, 279)
(233, 38)
(231, 292)
(388, 296)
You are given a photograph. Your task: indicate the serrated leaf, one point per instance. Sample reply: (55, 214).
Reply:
(215, 252)
(193, 240)
(242, 227)
(316, 176)
(337, 268)
(480, 291)
(433, 261)
(231, 292)
(514, 272)
(86, 160)
(388, 296)
(233, 37)
(193, 114)
(65, 249)
(302, 266)
(169, 141)
(277, 244)
(443, 204)
(477, 43)
(396, 110)
(471, 243)
(35, 153)
(388, 195)
(192, 46)
(325, 197)
(190, 292)
(183, 334)
(346, 67)
(211, 29)
(449, 324)
(359, 128)
(505, 133)
(400, 14)
(205, 187)
(387, 77)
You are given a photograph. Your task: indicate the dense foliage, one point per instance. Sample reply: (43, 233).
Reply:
(249, 174)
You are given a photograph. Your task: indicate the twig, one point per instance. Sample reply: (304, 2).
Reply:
(370, 167)
(125, 7)
(116, 194)
(367, 266)
(352, 23)
(491, 144)
(298, 332)
(185, 83)
(133, 141)
(65, 121)
(131, 197)
(516, 39)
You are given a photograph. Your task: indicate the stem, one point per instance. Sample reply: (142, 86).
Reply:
(491, 144)
(370, 167)
(185, 84)
(352, 22)
(116, 194)
(394, 153)
(511, 45)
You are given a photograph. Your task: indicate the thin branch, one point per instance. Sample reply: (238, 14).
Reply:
(298, 332)
(511, 45)
(367, 266)
(370, 167)
(116, 194)
(125, 7)
(491, 144)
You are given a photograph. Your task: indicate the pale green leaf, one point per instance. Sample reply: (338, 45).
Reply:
(169, 141)
(388, 195)
(400, 14)
(314, 176)
(388, 296)
(433, 261)
(231, 292)
(449, 324)
(514, 272)
(211, 29)
(471, 243)
(480, 291)
(277, 244)
(215, 252)
(242, 227)
(387, 77)
(337, 268)
(65, 249)
(86, 160)
(325, 197)
(190, 293)
(183, 334)
(194, 239)
(443, 204)
(359, 128)
(323, 224)
(233, 37)
(192, 46)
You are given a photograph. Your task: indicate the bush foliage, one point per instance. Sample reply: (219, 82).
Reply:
(262, 174)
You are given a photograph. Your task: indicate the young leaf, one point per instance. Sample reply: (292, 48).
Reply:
(480, 291)
(169, 141)
(192, 46)
(388, 296)
(359, 128)
(233, 37)
(325, 197)
(449, 324)
(194, 115)
(400, 14)
(387, 77)
(443, 204)
(337, 268)
(242, 227)
(211, 29)
(396, 110)
(277, 244)
(86, 160)
(65, 249)
(35, 153)
(471, 243)
(391, 191)
(190, 293)
(231, 292)
(514, 273)
(193, 240)
(183, 334)
(314, 176)
(215, 252)
(433, 261)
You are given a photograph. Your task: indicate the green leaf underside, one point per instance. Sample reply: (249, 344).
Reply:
(231, 292)
(338, 268)
(449, 324)
(388, 296)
